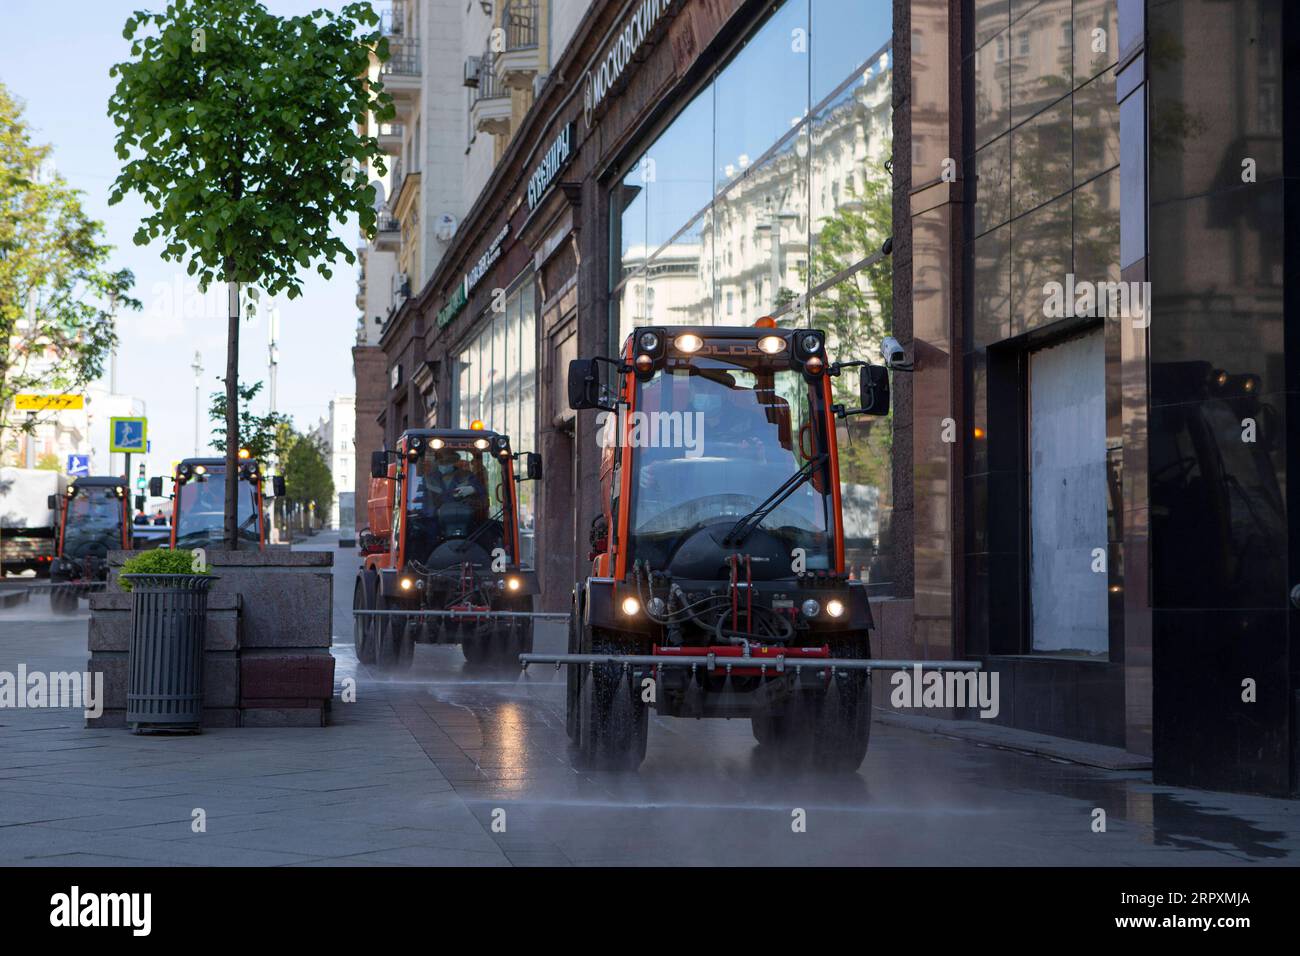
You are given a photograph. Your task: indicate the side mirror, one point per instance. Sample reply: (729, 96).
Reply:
(532, 466)
(379, 464)
(874, 384)
(155, 487)
(277, 486)
(52, 502)
(585, 387)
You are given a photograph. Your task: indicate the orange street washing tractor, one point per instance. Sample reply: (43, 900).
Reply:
(719, 586)
(441, 559)
(199, 502)
(93, 518)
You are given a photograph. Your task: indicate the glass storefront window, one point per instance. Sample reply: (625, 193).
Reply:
(497, 384)
(742, 241)
(762, 92)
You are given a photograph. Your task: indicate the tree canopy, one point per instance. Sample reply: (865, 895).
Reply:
(57, 289)
(240, 130)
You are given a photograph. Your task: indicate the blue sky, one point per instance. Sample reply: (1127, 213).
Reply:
(56, 61)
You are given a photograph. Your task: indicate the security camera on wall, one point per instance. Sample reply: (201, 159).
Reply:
(445, 229)
(894, 354)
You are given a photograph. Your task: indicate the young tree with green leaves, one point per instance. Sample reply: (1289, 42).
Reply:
(239, 129)
(257, 433)
(57, 290)
(307, 476)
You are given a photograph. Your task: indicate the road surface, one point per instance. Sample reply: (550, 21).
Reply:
(445, 767)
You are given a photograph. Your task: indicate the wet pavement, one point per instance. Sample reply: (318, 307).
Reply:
(448, 766)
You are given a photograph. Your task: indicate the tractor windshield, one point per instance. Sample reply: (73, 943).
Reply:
(713, 443)
(458, 508)
(200, 514)
(94, 523)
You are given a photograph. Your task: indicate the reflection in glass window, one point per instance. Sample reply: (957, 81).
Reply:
(762, 92)
(497, 384)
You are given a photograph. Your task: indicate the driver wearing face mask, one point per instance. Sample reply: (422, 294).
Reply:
(447, 481)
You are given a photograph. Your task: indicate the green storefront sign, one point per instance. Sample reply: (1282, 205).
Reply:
(453, 306)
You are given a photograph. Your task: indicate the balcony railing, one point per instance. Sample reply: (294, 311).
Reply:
(387, 222)
(489, 87)
(520, 22)
(393, 21)
(403, 57)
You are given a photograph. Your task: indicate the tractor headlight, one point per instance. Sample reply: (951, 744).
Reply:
(655, 607)
(436, 443)
(631, 606)
(649, 341)
(771, 344)
(835, 607)
(481, 444)
(688, 343)
(810, 608)
(513, 584)
(407, 584)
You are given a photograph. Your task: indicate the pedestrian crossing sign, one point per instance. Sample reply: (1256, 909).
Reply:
(129, 435)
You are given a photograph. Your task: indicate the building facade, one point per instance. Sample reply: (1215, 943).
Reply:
(1071, 213)
(335, 435)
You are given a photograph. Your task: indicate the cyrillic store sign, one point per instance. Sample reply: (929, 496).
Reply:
(472, 278)
(544, 173)
(613, 62)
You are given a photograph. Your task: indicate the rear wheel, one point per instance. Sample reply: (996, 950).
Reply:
(363, 626)
(612, 720)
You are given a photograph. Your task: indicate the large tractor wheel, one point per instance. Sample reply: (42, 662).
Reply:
(395, 647)
(510, 637)
(612, 720)
(63, 599)
(828, 729)
(363, 627)
(573, 673)
(476, 641)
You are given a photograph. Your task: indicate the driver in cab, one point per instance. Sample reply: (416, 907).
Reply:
(447, 481)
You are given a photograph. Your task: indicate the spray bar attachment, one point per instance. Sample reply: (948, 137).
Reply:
(778, 663)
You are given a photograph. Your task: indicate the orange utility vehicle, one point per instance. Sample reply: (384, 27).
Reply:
(719, 586)
(199, 502)
(443, 546)
(93, 518)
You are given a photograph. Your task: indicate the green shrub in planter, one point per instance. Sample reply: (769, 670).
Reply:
(161, 561)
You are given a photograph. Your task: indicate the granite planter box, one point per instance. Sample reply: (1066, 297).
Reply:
(269, 623)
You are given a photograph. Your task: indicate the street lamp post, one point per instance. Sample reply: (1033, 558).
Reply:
(198, 371)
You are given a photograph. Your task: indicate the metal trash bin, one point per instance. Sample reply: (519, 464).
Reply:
(169, 615)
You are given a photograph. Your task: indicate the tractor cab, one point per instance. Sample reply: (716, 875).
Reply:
(93, 519)
(443, 541)
(721, 443)
(199, 502)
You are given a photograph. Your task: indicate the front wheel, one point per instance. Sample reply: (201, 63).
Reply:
(395, 645)
(612, 720)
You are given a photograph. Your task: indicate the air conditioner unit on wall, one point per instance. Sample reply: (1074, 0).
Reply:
(471, 71)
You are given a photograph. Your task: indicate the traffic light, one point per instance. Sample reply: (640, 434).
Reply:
(141, 481)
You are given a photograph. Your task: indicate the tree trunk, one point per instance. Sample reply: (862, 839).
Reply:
(232, 418)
